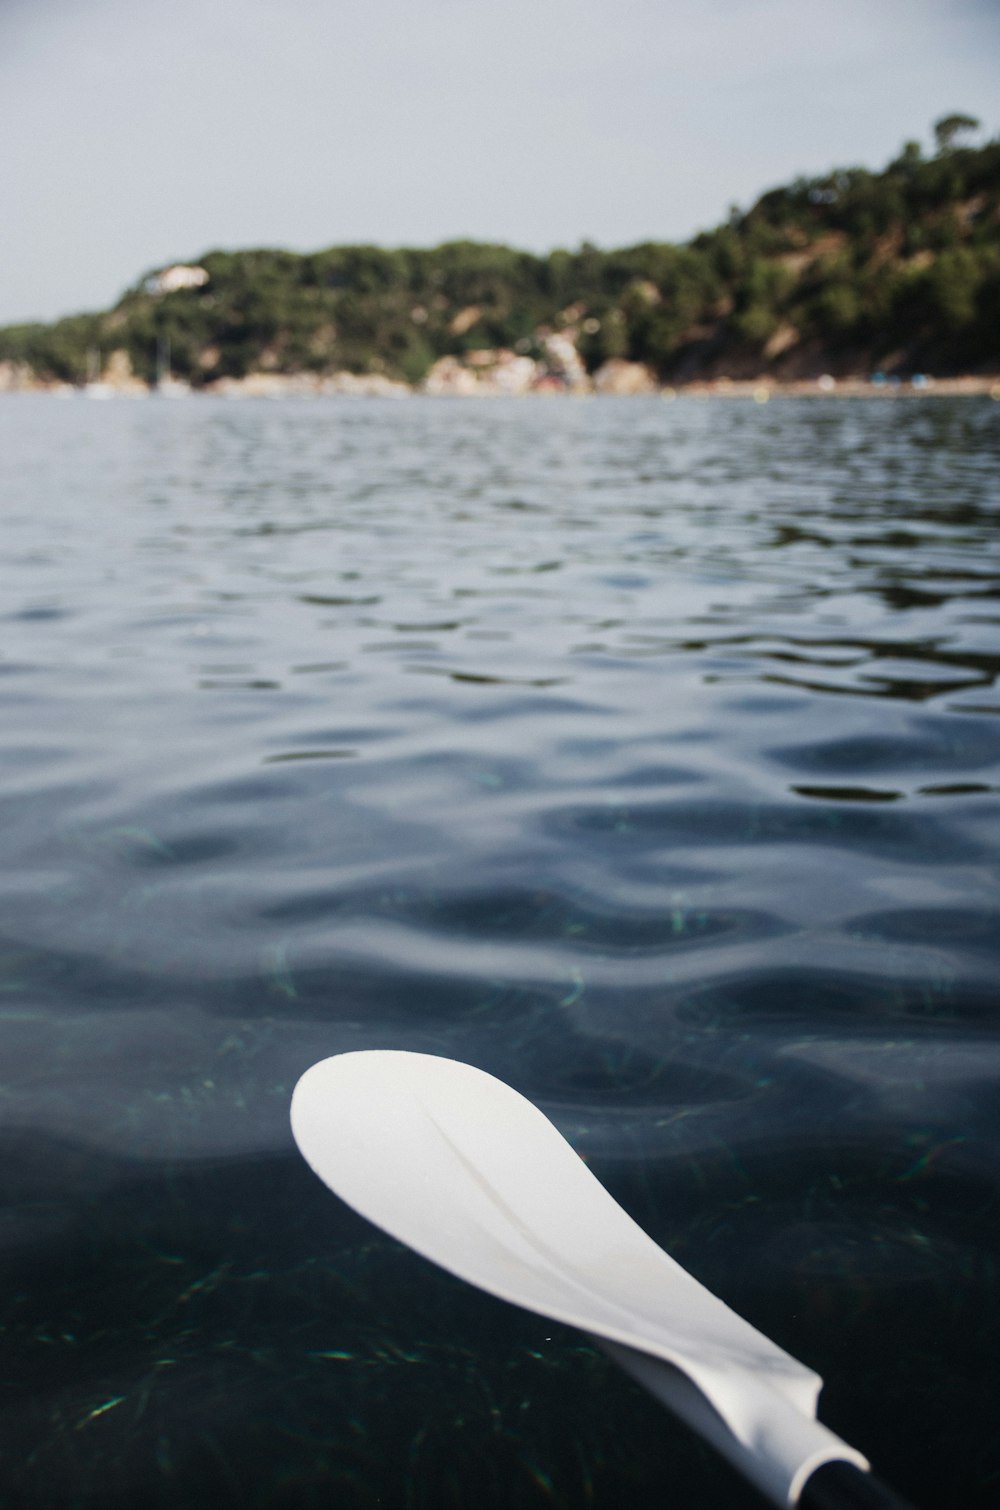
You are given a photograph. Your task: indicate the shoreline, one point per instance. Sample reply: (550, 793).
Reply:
(350, 385)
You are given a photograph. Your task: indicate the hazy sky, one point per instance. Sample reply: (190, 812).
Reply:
(138, 133)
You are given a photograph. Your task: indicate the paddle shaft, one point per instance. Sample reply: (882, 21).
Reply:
(837, 1484)
(842, 1486)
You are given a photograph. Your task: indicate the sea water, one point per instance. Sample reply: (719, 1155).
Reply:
(646, 755)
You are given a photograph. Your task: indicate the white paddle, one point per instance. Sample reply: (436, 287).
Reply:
(469, 1173)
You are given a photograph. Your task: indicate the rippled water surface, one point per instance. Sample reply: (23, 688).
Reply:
(645, 755)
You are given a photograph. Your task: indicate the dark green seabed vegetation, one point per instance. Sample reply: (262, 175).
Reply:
(849, 273)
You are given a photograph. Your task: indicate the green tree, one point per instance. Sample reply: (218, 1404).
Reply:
(838, 309)
(954, 285)
(603, 338)
(951, 126)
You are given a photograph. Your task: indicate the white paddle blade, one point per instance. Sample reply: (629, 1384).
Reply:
(466, 1171)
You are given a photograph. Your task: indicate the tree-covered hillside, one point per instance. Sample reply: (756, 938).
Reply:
(847, 273)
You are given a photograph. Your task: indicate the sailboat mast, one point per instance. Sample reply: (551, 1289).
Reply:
(162, 361)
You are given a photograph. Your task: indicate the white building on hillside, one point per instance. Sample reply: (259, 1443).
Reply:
(173, 278)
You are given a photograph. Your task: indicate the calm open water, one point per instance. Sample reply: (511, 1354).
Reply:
(645, 755)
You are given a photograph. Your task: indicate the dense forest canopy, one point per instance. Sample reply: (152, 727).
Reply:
(847, 272)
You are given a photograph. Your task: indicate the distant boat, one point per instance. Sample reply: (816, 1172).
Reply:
(95, 387)
(167, 386)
